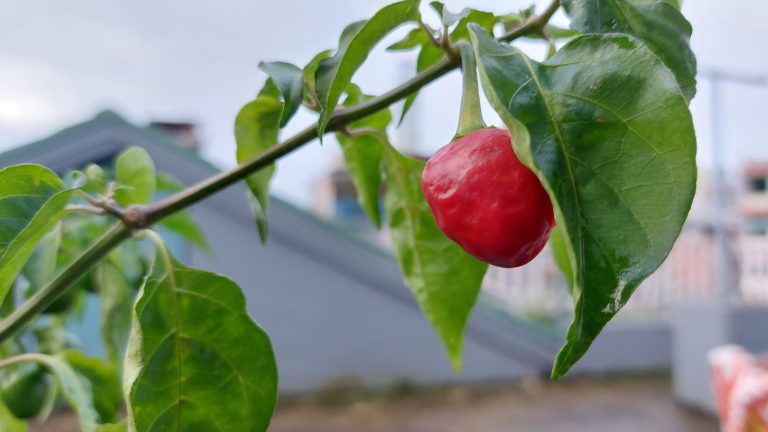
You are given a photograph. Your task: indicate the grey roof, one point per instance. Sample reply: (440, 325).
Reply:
(327, 243)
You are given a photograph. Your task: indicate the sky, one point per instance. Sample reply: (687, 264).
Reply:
(193, 60)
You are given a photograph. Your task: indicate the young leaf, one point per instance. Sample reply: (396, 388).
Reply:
(256, 129)
(606, 129)
(135, 177)
(32, 200)
(103, 380)
(335, 73)
(658, 23)
(430, 54)
(96, 180)
(196, 361)
(289, 80)
(116, 305)
(444, 279)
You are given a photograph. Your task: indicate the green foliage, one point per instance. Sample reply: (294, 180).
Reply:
(135, 177)
(335, 73)
(116, 308)
(181, 222)
(256, 129)
(607, 138)
(187, 372)
(32, 200)
(24, 389)
(9, 423)
(103, 380)
(362, 150)
(658, 23)
(290, 82)
(444, 279)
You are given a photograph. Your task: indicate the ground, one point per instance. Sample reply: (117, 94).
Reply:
(636, 404)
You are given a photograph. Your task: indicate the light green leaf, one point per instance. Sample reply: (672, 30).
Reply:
(256, 129)
(444, 279)
(289, 80)
(32, 200)
(560, 254)
(103, 380)
(413, 39)
(72, 388)
(96, 180)
(116, 306)
(362, 154)
(310, 89)
(113, 427)
(135, 177)
(196, 361)
(9, 423)
(335, 73)
(606, 129)
(658, 23)
(42, 264)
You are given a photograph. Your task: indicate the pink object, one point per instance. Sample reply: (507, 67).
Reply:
(740, 382)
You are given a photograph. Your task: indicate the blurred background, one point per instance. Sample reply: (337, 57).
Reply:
(354, 353)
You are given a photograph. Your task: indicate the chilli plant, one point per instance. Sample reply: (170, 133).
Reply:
(596, 156)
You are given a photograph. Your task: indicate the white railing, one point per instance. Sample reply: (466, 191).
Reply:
(688, 275)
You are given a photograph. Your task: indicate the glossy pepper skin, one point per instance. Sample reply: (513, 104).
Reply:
(486, 200)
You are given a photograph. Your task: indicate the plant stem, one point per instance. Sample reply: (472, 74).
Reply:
(471, 115)
(58, 286)
(154, 212)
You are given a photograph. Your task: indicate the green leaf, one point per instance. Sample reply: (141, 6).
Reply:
(289, 80)
(444, 279)
(32, 200)
(103, 380)
(116, 308)
(310, 88)
(196, 361)
(9, 423)
(135, 177)
(96, 180)
(658, 23)
(72, 388)
(362, 156)
(413, 39)
(430, 54)
(358, 39)
(181, 222)
(606, 129)
(256, 129)
(113, 427)
(560, 254)
(41, 266)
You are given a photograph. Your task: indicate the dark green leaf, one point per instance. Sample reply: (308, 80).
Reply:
(606, 129)
(116, 306)
(103, 380)
(289, 80)
(113, 427)
(135, 177)
(32, 200)
(335, 73)
(659, 24)
(256, 129)
(444, 279)
(196, 361)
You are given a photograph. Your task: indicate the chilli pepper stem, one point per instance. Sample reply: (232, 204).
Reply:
(471, 115)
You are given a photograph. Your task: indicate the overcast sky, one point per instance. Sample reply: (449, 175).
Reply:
(192, 60)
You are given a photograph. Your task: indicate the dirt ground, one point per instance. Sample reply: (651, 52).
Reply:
(637, 404)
